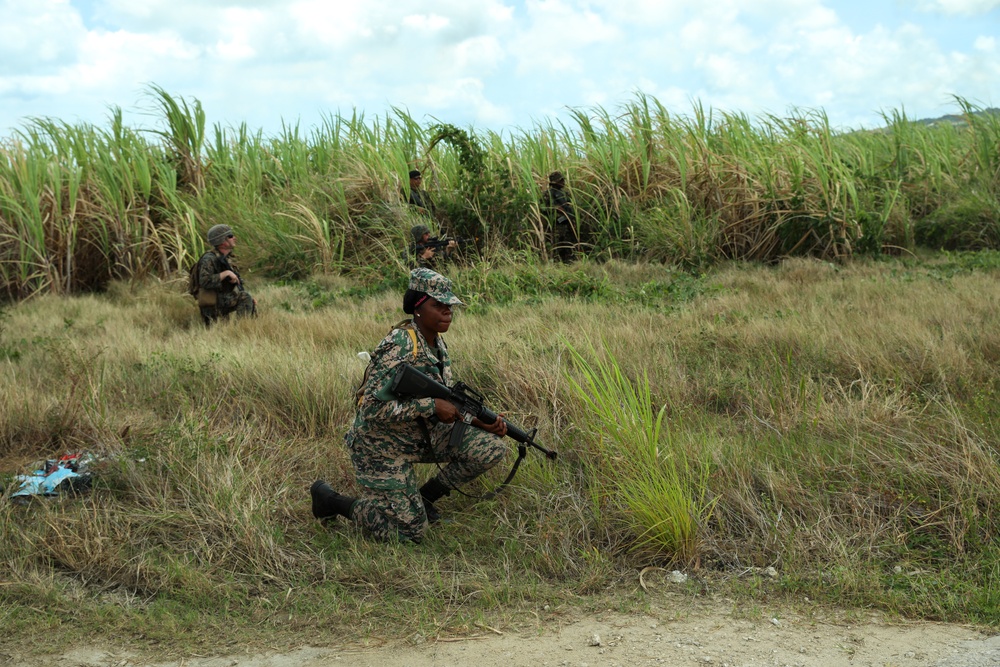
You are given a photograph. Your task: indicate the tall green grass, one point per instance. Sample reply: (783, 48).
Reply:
(635, 462)
(80, 205)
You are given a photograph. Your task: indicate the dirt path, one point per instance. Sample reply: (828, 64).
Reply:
(685, 634)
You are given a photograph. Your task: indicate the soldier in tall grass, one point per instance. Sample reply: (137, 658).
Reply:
(220, 289)
(390, 434)
(558, 209)
(418, 198)
(424, 251)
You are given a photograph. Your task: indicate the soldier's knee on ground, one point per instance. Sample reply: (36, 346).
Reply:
(392, 515)
(401, 531)
(208, 314)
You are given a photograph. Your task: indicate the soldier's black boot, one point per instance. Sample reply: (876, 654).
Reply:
(328, 503)
(430, 492)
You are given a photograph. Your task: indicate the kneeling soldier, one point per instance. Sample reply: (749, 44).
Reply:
(220, 289)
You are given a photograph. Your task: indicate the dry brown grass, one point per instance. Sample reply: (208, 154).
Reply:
(843, 417)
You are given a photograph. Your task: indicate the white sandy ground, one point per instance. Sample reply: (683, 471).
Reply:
(677, 631)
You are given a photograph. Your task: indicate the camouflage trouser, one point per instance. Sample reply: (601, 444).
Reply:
(391, 507)
(242, 306)
(564, 242)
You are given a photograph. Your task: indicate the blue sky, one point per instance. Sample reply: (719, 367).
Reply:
(498, 64)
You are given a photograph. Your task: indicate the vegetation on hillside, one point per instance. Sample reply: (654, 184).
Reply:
(83, 205)
(828, 410)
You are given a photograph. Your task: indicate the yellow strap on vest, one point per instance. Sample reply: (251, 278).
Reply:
(364, 380)
(413, 337)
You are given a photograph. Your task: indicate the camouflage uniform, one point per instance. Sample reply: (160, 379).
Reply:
(419, 262)
(390, 435)
(230, 297)
(558, 209)
(422, 200)
(217, 297)
(417, 197)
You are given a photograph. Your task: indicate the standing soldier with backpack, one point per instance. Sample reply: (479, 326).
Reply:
(216, 283)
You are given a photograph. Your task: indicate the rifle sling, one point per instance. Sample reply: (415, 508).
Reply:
(522, 451)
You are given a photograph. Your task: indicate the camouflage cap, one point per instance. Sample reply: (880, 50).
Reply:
(433, 284)
(418, 231)
(217, 234)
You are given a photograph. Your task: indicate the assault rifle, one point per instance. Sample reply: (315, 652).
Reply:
(411, 383)
(437, 243)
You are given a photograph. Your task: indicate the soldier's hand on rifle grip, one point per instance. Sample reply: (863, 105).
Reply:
(499, 427)
(446, 412)
(229, 276)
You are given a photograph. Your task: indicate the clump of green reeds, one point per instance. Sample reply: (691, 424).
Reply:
(642, 476)
(81, 206)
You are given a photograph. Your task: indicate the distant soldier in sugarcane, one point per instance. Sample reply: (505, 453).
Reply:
(557, 208)
(218, 287)
(418, 198)
(391, 433)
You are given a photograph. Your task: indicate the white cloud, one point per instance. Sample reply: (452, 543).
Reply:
(37, 36)
(108, 59)
(835, 68)
(986, 44)
(479, 54)
(426, 22)
(468, 93)
(723, 71)
(722, 32)
(327, 25)
(491, 61)
(559, 35)
(643, 12)
(238, 37)
(958, 7)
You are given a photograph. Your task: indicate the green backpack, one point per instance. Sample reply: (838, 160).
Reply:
(204, 297)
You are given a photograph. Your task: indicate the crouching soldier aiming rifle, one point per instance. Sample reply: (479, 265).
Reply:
(427, 249)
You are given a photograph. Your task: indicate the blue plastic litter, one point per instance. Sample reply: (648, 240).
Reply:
(66, 473)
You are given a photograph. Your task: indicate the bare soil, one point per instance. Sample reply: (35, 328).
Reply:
(676, 631)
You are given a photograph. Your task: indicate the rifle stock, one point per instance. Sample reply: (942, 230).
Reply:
(410, 382)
